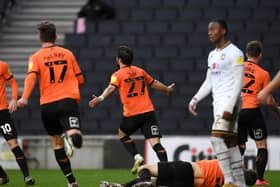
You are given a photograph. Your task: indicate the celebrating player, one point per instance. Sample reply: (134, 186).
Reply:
(138, 110)
(205, 173)
(60, 78)
(250, 117)
(7, 126)
(224, 79)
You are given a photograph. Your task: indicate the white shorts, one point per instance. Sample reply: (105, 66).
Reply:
(225, 125)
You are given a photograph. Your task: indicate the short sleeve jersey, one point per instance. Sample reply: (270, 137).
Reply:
(5, 75)
(57, 69)
(212, 173)
(132, 83)
(255, 79)
(221, 63)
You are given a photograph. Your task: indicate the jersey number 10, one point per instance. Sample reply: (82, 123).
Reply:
(52, 73)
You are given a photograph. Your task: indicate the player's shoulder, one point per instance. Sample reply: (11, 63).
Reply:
(234, 49)
(2, 63)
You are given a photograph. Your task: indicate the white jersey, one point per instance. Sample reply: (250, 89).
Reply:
(221, 63)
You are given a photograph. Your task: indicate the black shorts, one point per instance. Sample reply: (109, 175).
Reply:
(175, 174)
(251, 122)
(60, 116)
(147, 122)
(7, 126)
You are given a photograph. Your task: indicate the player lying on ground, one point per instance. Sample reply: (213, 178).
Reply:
(138, 110)
(205, 173)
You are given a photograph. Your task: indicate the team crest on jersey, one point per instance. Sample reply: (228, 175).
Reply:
(74, 122)
(239, 60)
(223, 56)
(30, 65)
(113, 79)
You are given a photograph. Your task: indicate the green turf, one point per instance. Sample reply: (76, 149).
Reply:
(91, 178)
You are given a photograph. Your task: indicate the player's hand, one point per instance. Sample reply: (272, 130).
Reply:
(22, 102)
(263, 96)
(12, 106)
(227, 116)
(192, 106)
(94, 101)
(170, 88)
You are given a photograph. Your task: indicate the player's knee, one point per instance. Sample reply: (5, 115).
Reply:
(126, 139)
(77, 140)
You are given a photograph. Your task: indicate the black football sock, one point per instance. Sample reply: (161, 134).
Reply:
(2, 172)
(261, 162)
(129, 145)
(65, 165)
(21, 160)
(161, 152)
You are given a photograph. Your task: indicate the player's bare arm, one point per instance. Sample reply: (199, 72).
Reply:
(157, 85)
(203, 91)
(29, 84)
(106, 93)
(266, 92)
(13, 102)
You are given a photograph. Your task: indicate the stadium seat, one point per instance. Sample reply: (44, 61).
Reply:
(222, 3)
(125, 39)
(157, 27)
(90, 126)
(166, 14)
(167, 126)
(257, 26)
(133, 27)
(182, 27)
(202, 26)
(75, 40)
(166, 52)
(161, 101)
(157, 65)
(149, 40)
(199, 39)
(247, 3)
(269, 3)
(174, 3)
(275, 27)
(125, 4)
(196, 77)
(190, 52)
(180, 64)
(264, 14)
(98, 40)
(272, 39)
(143, 52)
(215, 13)
(174, 76)
(111, 27)
(142, 14)
(150, 4)
(198, 4)
(173, 113)
(190, 14)
(171, 39)
(99, 113)
(239, 13)
(88, 53)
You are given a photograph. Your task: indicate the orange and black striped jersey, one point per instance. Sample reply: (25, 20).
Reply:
(58, 70)
(6, 75)
(132, 83)
(255, 79)
(212, 173)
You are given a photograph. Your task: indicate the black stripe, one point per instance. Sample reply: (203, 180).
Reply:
(78, 74)
(152, 82)
(114, 85)
(12, 76)
(32, 72)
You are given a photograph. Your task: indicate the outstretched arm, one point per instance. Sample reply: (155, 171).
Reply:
(106, 93)
(266, 92)
(157, 85)
(203, 91)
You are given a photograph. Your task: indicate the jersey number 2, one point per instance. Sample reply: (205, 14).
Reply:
(251, 81)
(51, 69)
(133, 82)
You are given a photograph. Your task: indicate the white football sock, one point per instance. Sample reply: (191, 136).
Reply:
(223, 155)
(237, 166)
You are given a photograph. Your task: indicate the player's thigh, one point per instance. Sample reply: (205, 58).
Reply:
(257, 130)
(50, 119)
(175, 174)
(130, 125)
(7, 126)
(150, 127)
(242, 127)
(69, 116)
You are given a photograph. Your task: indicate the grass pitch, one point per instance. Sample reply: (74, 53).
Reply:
(91, 178)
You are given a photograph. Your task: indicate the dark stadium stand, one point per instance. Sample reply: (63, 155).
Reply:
(170, 41)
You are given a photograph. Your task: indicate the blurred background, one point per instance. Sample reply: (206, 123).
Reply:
(169, 39)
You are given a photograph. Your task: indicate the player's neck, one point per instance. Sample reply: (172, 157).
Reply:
(123, 66)
(222, 44)
(253, 60)
(47, 44)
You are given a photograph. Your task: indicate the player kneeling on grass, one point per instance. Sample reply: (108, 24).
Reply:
(138, 110)
(205, 173)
